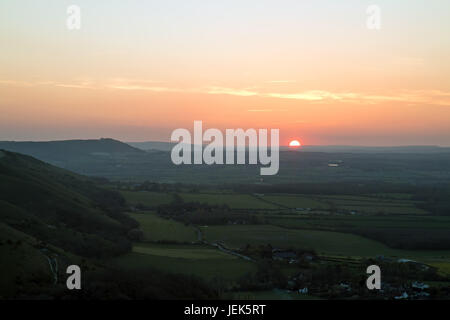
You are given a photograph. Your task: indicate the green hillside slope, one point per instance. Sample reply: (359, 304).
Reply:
(61, 208)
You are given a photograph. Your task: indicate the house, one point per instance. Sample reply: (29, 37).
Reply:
(383, 258)
(402, 297)
(420, 285)
(308, 257)
(283, 255)
(419, 265)
(422, 294)
(303, 291)
(345, 286)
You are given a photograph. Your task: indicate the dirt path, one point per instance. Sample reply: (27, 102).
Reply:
(53, 264)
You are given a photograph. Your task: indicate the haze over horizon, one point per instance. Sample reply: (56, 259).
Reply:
(136, 70)
(141, 144)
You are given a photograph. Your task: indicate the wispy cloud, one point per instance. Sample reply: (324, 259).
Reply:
(412, 97)
(79, 84)
(260, 110)
(266, 110)
(281, 81)
(133, 85)
(230, 91)
(434, 97)
(18, 83)
(142, 88)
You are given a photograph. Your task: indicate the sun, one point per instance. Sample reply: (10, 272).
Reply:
(294, 144)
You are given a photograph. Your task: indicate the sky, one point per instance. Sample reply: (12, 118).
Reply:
(137, 70)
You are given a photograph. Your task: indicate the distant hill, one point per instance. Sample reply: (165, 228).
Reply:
(167, 146)
(69, 148)
(362, 149)
(153, 145)
(116, 160)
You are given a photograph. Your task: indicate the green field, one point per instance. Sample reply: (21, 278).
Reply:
(338, 235)
(202, 261)
(360, 204)
(146, 198)
(443, 267)
(234, 201)
(323, 242)
(365, 204)
(295, 201)
(159, 229)
(187, 252)
(359, 221)
(275, 294)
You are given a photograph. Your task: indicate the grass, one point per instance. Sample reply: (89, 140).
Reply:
(185, 253)
(385, 209)
(323, 242)
(335, 222)
(20, 264)
(147, 198)
(234, 201)
(276, 294)
(324, 234)
(373, 204)
(159, 229)
(295, 201)
(443, 268)
(400, 196)
(198, 260)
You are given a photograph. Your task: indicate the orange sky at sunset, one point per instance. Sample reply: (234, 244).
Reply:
(313, 71)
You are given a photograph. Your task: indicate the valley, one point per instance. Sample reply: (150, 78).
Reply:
(207, 235)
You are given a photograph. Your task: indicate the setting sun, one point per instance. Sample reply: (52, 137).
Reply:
(294, 144)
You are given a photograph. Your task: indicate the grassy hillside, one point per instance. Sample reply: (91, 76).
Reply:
(61, 208)
(21, 261)
(51, 218)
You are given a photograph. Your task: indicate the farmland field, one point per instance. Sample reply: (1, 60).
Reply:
(146, 198)
(443, 268)
(275, 294)
(341, 229)
(373, 204)
(359, 221)
(324, 242)
(198, 260)
(234, 201)
(158, 229)
(295, 201)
